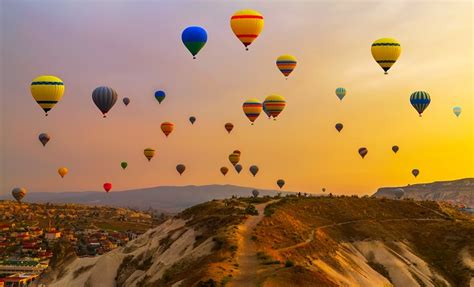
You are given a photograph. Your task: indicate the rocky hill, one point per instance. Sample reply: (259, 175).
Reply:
(291, 241)
(456, 191)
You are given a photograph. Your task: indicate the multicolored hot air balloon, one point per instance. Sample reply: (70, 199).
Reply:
(167, 128)
(180, 168)
(18, 193)
(415, 172)
(420, 101)
(126, 101)
(124, 164)
(246, 25)
(104, 98)
(340, 93)
(457, 111)
(192, 120)
(363, 151)
(253, 170)
(286, 64)
(194, 38)
(47, 91)
(274, 105)
(280, 183)
(44, 138)
(149, 153)
(63, 171)
(229, 127)
(160, 96)
(252, 109)
(234, 158)
(395, 148)
(386, 52)
(339, 127)
(238, 168)
(224, 170)
(107, 186)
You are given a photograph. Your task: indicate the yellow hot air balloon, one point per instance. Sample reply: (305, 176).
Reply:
(149, 153)
(252, 109)
(386, 52)
(274, 105)
(62, 171)
(234, 158)
(286, 64)
(47, 91)
(246, 25)
(167, 128)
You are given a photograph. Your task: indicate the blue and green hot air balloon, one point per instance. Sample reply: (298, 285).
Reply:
(420, 101)
(194, 38)
(160, 96)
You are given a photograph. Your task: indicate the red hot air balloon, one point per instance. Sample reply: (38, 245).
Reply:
(107, 186)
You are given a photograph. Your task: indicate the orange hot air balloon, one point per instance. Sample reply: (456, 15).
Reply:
(224, 170)
(62, 171)
(167, 128)
(252, 109)
(229, 127)
(246, 25)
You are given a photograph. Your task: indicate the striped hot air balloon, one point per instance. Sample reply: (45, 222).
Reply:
(386, 52)
(274, 105)
(149, 153)
(167, 128)
(246, 25)
(18, 193)
(252, 109)
(104, 98)
(340, 93)
(47, 91)
(457, 111)
(234, 158)
(286, 64)
(420, 101)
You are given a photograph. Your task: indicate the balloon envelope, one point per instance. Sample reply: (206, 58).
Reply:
(167, 128)
(63, 171)
(44, 138)
(274, 105)
(238, 168)
(107, 186)
(47, 91)
(224, 170)
(192, 120)
(253, 170)
(339, 127)
(104, 98)
(457, 111)
(415, 172)
(395, 148)
(180, 168)
(160, 96)
(19, 193)
(247, 25)
(149, 153)
(420, 101)
(340, 93)
(252, 109)
(280, 183)
(194, 38)
(386, 52)
(229, 127)
(124, 164)
(363, 151)
(126, 101)
(234, 158)
(286, 64)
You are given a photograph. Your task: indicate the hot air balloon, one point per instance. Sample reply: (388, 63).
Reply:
(395, 148)
(149, 153)
(47, 91)
(126, 101)
(253, 170)
(104, 98)
(415, 172)
(363, 151)
(160, 96)
(238, 168)
(420, 101)
(323, 189)
(457, 111)
(234, 158)
(180, 168)
(124, 164)
(224, 170)
(255, 193)
(63, 171)
(107, 186)
(246, 25)
(252, 109)
(398, 193)
(194, 38)
(340, 93)
(192, 120)
(229, 127)
(167, 128)
(44, 138)
(18, 193)
(236, 151)
(339, 127)
(386, 52)
(280, 183)
(286, 64)
(274, 105)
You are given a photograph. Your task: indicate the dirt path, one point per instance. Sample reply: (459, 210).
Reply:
(247, 252)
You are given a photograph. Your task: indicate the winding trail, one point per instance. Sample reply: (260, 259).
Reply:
(247, 251)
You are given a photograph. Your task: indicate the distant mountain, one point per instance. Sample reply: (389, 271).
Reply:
(163, 198)
(459, 191)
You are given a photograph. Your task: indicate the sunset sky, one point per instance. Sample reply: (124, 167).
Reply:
(135, 47)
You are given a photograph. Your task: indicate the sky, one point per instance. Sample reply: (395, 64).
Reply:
(135, 47)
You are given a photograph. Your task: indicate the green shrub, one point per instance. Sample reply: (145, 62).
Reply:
(289, 263)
